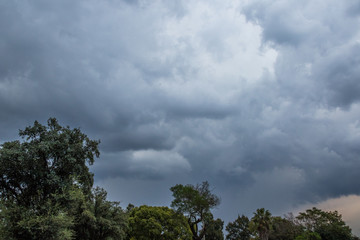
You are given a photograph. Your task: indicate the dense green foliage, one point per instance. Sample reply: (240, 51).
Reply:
(284, 229)
(261, 223)
(239, 229)
(109, 222)
(307, 235)
(157, 223)
(46, 187)
(328, 225)
(214, 229)
(46, 192)
(313, 224)
(195, 203)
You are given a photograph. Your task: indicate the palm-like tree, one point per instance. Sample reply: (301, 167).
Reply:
(262, 223)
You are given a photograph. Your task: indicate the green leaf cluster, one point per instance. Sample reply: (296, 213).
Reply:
(329, 225)
(214, 229)
(313, 224)
(195, 202)
(261, 223)
(157, 223)
(239, 229)
(46, 187)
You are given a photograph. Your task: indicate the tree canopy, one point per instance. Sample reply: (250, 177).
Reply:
(313, 224)
(239, 229)
(261, 223)
(214, 229)
(195, 202)
(48, 160)
(329, 225)
(46, 187)
(284, 228)
(157, 223)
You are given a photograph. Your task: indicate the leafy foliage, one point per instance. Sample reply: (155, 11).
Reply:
(284, 229)
(239, 229)
(23, 223)
(157, 223)
(261, 223)
(195, 203)
(307, 235)
(46, 187)
(214, 229)
(50, 159)
(329, 225)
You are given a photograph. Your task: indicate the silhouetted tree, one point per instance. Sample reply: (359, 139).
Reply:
(195, 203)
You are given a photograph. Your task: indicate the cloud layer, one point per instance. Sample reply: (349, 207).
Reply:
(261, 98)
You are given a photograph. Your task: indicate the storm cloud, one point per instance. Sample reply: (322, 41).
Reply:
(260, 98)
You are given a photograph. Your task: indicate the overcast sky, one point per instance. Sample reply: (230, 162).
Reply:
(260, 97)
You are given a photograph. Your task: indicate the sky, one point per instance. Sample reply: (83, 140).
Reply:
(260, 98)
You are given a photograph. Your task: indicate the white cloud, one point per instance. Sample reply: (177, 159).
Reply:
(160, 162)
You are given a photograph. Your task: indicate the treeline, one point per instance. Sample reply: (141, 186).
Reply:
(46, 192)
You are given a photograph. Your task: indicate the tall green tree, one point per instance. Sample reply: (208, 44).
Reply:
(48, 160)
(110, 219)
(239, 229)
(214, 229)
(195, 202)
(329, 225)
(157, 223)
(46, 185)
(261, 223)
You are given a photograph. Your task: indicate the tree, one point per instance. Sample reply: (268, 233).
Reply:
(239, 229)
(49, 159)
(284, 229)
(195, 203)
(22, 223)
(97, 218)
(45, 186)
(157, 223)
(261, 223)
(214, 230)
(329, 225)
(110, 219)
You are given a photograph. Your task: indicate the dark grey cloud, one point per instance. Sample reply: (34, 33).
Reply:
(341, 78)
(353, 8)
(312, 41)
(260, 99)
